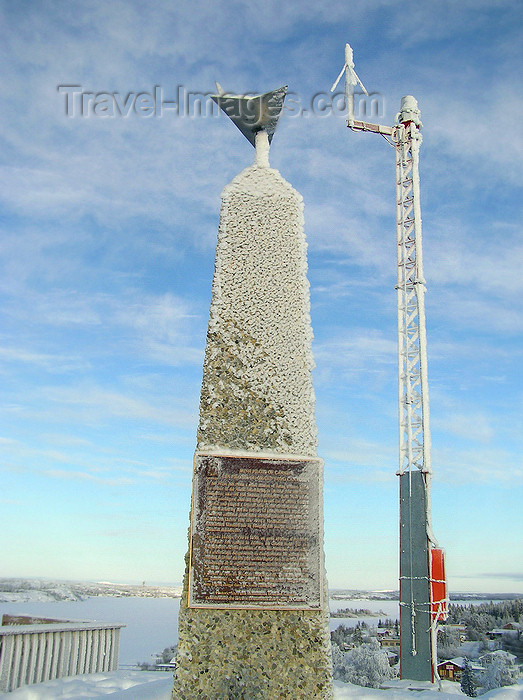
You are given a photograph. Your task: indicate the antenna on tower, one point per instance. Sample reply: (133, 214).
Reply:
(423, 589)
(351, 80)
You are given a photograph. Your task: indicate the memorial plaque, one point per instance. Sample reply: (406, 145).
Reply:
(256, 533)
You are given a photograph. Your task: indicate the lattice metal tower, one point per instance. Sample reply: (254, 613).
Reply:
(423, 593)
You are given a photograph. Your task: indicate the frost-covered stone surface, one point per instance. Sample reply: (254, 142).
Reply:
(257, 389)
(257, 397)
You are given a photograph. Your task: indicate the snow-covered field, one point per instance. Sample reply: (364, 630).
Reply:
(141, 685)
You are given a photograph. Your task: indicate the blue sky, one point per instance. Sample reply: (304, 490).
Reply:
(108, 228)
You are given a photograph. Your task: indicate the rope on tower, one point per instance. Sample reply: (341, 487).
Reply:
(434, 640)
(426, 578)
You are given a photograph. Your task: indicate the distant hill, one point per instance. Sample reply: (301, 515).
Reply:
(16, 590)
(20, 590)
(358, 594)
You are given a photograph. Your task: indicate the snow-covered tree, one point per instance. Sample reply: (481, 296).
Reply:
(499, 672)
(367, 665)
(168, 653)
(342, 635)
(448, 652)
(357, 636)
(338, 662)
(468, 686)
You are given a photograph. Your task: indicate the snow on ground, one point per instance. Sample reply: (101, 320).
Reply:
(414, 690)
(26, 597)
(151, 685)
(128, 685)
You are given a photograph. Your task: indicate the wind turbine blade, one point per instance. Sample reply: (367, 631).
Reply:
(358, 81)
(335, 84)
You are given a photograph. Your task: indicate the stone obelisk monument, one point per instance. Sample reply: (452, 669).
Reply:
(253, 619)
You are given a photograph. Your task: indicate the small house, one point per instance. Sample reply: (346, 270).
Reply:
(503, 632)
(169, 666)
(386, 642)
(392, 657)
(452, 669)
(513, 626)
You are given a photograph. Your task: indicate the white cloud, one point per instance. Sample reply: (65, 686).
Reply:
(96, 403)
(466, 309)
(494, 272)
(470, 426)
(444, 20)
(7, 442)
(508, 576)
(356, 350)
(496, 153)
(71, 475)
(132, 324)
(358, 459)
(157, 318)
(478, 465)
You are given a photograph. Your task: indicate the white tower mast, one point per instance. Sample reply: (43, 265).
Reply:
(423, 596)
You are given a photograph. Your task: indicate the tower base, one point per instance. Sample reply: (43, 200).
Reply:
(415, 596)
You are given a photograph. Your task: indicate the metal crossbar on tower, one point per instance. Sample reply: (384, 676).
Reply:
(413, 386)
(423, 591)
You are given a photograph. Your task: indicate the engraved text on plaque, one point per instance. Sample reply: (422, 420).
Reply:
(256, 535)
